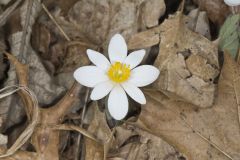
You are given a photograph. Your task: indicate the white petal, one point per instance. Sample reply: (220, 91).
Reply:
(135, 58)
(134, 92)
(90, 76)
(117, 49)
(144, 75)
(101, 90)
(118, 103)
(98, 59)
(232, 2)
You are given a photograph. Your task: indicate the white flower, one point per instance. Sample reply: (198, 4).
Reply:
(118, 76)
(232, 2)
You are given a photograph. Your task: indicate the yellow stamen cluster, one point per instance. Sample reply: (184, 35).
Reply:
(119, 72)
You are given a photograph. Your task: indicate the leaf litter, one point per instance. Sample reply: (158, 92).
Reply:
(192, 111)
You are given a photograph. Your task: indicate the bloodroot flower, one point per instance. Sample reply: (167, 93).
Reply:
(117, 77)
(232, 2)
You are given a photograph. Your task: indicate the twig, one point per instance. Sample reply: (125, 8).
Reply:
(4, 92)
(63, 32)
(75, 128)
(54, 21)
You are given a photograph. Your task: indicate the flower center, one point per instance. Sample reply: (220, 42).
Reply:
(119, 72)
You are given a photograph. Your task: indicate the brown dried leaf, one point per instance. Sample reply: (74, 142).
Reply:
(218, 124)
(217, 10)
(99, 128)
(198, 22)
(40, 81)
(188, 63)
(3, 138)
(28, 13)
(94, 151)
(74, 57)
(140, 145)
(2, 67)
(5, 2)
(5, 15)
(99, 20)
(150, 15)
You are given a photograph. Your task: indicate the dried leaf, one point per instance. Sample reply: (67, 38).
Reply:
(99, 128)
(5, 15)
(4, 2)
(2, 67)
(28, 14)
(230, 35)
(150, 15)
(98, 21)
(198, 22)
(217, 10)
(218, 124)
(30, 105)
(188, 63)
(40, 81)
(94, 151)
(3, 138)
(140, 145)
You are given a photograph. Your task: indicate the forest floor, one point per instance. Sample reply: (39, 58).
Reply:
(192, 110)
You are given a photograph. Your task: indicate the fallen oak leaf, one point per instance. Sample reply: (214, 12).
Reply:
(188, 70)
(218, 124)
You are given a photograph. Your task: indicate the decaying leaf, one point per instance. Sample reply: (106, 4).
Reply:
(133, 143)
(189, 114)
(4, 16)
(150, 15)
(3, 138)
(199, 23)
(230, 35)
(2, 67)
(188, 63)
(40, 81)
(5, 2)
(99, 20)
(218, 124)
(99, 128)
(217, 10)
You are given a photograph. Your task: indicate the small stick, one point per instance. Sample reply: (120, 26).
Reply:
(54, 21)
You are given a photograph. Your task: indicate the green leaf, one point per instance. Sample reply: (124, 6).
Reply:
(230, 35)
